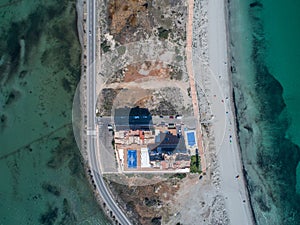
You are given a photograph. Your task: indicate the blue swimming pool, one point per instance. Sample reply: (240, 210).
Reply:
(131, 159)
(191, 138)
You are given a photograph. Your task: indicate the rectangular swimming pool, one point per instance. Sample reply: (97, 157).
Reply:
(191, 138)
(131, 159)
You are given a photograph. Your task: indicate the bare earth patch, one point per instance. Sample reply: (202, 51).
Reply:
(126, 17)
(150, 69)
(147, 204)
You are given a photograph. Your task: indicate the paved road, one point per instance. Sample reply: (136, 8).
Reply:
(91, 115)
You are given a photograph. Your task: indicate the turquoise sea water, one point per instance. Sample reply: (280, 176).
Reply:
(42, 175)
(265, 47)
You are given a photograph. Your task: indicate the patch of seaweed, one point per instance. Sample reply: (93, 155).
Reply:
(51, 189)
(61, 154)
(68, 216)
(12, 97)
(49, 217)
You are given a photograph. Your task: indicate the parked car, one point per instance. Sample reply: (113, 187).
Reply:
(110, 128)
(171, 117)
(171, 125)
(178, 117)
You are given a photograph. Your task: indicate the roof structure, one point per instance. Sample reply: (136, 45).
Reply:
(132, 119)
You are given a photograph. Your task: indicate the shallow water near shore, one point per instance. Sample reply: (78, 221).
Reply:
(42, 174)
(265, 55)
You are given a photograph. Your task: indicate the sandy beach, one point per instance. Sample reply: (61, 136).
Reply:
(232, 182)
(221, 196)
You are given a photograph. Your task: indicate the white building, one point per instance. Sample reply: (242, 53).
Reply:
(145, 161)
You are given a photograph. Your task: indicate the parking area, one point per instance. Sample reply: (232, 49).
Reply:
(107, 153)
(189, 122)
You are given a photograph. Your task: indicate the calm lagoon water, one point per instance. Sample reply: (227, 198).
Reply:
(265, 46)
(42, 175)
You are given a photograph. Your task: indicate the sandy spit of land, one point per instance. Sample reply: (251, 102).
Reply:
(232, 181)
(221, 196)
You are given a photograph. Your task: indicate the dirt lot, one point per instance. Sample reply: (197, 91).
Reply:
(133, 20)
(128, 14)
(165, 100)
(140, 71)
(154, 69)
(150, 204)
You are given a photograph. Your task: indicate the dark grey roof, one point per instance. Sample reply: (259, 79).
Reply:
(168, 143)
(133, 118)
(183, 157)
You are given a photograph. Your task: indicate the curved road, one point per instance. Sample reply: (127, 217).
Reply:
(91, 115)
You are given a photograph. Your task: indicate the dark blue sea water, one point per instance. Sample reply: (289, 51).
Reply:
(41, 170)
(265, 47)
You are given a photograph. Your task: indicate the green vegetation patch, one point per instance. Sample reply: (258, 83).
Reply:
(121, 50)
(179, 58)
(105, 46)
(195, 164)
(179, 175)
(176, 73)
(163, 33)
(108, 95)
(189, 92)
